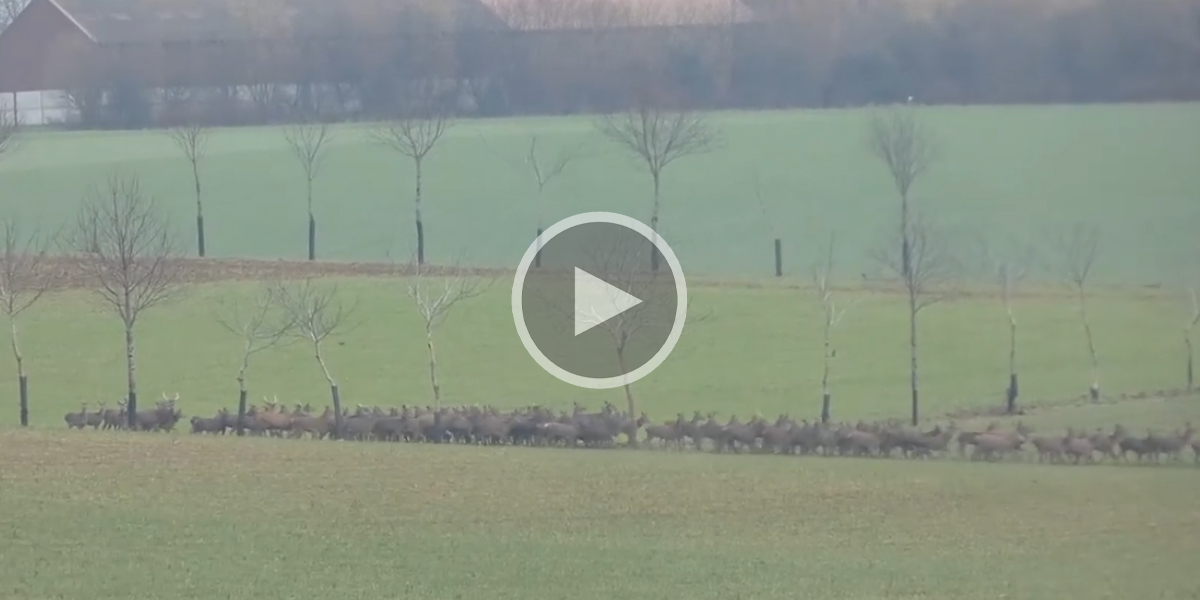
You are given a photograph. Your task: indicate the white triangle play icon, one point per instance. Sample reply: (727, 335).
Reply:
(596, 301)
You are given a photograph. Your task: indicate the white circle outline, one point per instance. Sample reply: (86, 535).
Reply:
(597, 383)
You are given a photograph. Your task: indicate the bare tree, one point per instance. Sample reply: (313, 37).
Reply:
(309, 142)
(434, 302)
(823, 277)
(1010, 271)
(1187, 337)
(316, 313)
(1077, 249)
(415, 135)
(658, 138)
(124, 245)
(192, 139)
(543, 169)
(260, 324)
(637, 327)
(930, 276)
(899, 140)
(24, 277)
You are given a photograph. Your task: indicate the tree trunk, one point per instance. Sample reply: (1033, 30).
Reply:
(1094, 390)
(200, 234)
(778, 257)
(241, 409)
(1013, 391)
(22, 380)
(199, 211)
(312, 224)
(420, 223)
(912, 348)
(337, 411)
(131, 374)
(654, 258)
(433, 374)
(826, 395)
(630, 400)
(312, 237)
(537, 257)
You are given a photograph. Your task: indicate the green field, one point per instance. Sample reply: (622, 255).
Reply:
(123, 515)
(758, 351)
(143, 516)
(1004, 172)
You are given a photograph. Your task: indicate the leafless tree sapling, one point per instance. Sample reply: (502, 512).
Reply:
(1010, 271)
(434, 301)
(1187, 337)
(658, 138)
(823, 278)
(260, 324)
(929, 277)
(192, 139)
(899, 140)
(1077, 249)
(315, 312)
(414, 135)
(543, 169)
(24, 277)
(310, 142)
(124, 245)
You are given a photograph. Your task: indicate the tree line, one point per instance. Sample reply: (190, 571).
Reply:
(576, 57)
(124, 243)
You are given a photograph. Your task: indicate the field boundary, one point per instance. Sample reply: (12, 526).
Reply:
(67, 275)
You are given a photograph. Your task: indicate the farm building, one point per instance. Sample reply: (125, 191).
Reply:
(357, 54)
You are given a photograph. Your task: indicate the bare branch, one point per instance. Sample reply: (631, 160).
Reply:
(125, 246)
(315, 312)
(1076, 250)
(659, 137)
(413, 135)
(260, 323)
(309, 143)
(24, 277)
(932, 272)
(192, 139)
(823, 279)
(901, 142)
(434, 301)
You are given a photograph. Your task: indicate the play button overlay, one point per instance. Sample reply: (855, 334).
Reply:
(596, 313)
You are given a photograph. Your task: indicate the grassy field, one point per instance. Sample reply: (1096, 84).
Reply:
(759, 351)
(141, 516)
(1003, 172)
(121, 515)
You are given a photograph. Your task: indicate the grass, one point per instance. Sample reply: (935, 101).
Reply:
(1003, 172)
(111, 515)
(136, 516)
(760, 351)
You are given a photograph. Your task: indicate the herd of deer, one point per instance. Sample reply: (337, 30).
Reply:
(545, 427)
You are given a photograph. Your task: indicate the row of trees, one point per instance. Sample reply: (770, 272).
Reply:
(577, 56)
(122, 242)
(655, 137)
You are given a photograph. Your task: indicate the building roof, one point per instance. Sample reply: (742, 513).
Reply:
(133, 21)
(589, 14)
